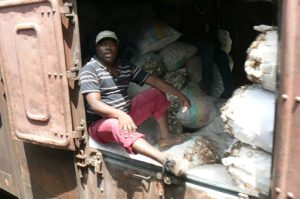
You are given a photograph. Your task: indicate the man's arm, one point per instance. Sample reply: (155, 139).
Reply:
(168, 88)
(125, 121)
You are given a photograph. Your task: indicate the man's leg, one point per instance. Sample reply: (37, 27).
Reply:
(206, 50)
(153, 102)
(224, 68)
(108, 130)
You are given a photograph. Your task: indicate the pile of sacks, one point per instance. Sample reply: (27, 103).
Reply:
(159, 51)
(249, 117)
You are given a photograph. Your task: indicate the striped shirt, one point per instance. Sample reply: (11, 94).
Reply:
(95, 78)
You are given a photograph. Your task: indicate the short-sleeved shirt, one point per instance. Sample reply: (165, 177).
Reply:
(95, 77)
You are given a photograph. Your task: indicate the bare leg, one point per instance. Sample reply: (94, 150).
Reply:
(141, 146)
(163, 126)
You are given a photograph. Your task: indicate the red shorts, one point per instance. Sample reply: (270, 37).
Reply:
(150, 102)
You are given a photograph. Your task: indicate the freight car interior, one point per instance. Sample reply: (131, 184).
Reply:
(125, 17)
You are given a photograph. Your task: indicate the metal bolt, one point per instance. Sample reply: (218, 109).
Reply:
(278, 190)
(48, 12)
(297, 99)
(53, 10)
(284, 96)
(42, 12)
(49, 74)
(61, 75)
(76, 62)
(55, 74)
(290, 195)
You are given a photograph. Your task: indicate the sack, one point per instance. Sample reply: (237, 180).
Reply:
(194, 68)
(176, 54)
(194, 71)
(202, 110)
(249, 116)
(175, 125)
(250, 168)
(197, 150)
(177, 78)
(154, 36)
(150, 62)
(261, 63)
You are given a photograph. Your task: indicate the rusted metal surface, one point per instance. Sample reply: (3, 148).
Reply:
(128, 180)
(8, 173)
(46, 172)
(34, 72)
(286, 175)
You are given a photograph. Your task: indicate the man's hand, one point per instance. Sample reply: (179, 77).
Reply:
(168, 88)
(184, 101)
(127, 125)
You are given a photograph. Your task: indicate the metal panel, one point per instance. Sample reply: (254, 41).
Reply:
(34, 72)
(287, 140)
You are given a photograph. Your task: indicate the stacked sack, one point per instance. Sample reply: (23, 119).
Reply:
(160, 53)
(249, 117)
(262, 57)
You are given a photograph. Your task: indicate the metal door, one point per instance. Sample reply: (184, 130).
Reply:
(34, 68)
(286, 163)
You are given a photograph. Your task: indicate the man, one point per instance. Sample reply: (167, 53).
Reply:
(200, 28)
(113, 117)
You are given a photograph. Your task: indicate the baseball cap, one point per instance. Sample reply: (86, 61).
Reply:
(106, 34)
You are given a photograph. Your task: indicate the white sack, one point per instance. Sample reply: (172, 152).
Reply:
(155, 36)
(250, 168)
(249, 116)
(202, 110)
(261, 62)
(176, 54)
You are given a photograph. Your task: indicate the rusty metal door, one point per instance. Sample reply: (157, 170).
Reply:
(33, 66)
(286, 162)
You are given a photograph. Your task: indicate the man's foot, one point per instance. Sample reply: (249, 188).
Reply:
(178, 168)
(172, 140)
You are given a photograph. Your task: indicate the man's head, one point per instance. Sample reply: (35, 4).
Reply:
(107, 45)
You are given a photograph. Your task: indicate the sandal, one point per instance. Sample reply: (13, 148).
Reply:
(178, 168)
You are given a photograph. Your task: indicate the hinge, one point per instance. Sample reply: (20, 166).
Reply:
(67, 10)
(89, 158)
(79, 134)
(168, 179)
(73, 73)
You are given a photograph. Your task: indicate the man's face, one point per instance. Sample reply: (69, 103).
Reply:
(107, 51)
